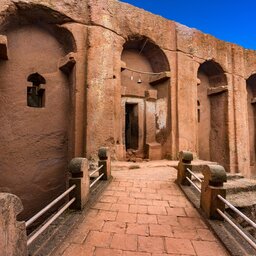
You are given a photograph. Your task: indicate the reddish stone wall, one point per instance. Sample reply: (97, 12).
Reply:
(34, 141)
(84, 110)
(186, 49)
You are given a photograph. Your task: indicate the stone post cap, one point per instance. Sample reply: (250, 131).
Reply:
(103, 153)
(11, 202)
(185, 156)
(75, 165)
(214, 174)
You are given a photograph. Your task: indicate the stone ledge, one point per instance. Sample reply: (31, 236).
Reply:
(67, 63)
(215, 90)
(151, 95)
(157, 79)
(253, 100)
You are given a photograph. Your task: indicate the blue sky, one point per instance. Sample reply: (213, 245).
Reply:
(230, 20)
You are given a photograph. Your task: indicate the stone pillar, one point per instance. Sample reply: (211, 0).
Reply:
(153, 149)
(185, 158)
(212, 186)
(13, 237)
(104, 159)
(151, 97)
(78, 168)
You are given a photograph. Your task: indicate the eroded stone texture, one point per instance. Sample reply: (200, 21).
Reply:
(13, 237)
(34, 140)
(119, 77)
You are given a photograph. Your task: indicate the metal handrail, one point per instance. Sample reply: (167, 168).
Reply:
(250, 241)
(46, 208)
(193, 184)
(49, 222)
(253, 224)
(96, 180)
(194, 175)
(95, 171)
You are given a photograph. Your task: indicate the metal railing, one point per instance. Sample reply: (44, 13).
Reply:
(93, 172)
(243, 234)
(232, 207)
(53, 218)
(78, 193)
(191, 182)
(98, 178)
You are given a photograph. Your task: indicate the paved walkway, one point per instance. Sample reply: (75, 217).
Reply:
(142, 213)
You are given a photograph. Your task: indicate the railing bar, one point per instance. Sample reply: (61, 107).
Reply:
(237, 211)
(252, 243)
(194, 175)
(50, 221)
(46, 208)
(96, 180)
(95, 171)
(194, 185)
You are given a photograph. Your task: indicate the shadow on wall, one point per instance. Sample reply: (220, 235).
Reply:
(251, 101)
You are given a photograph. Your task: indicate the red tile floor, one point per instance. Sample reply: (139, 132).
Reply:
(142, 213)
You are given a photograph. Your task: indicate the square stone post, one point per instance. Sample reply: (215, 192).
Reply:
(185, 158)
(13, 237)
(212, 186)
(78, 168)
(104, 159)
(150, 105)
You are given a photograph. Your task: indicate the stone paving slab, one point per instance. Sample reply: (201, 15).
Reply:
(142, 213)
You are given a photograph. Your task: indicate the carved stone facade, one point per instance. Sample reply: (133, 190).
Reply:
(79, 75)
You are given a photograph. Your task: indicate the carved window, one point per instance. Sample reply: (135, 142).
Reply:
(198, 111)
(36, 92)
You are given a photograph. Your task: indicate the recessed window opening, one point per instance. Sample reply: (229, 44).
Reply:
(36, 92)
(198, 111)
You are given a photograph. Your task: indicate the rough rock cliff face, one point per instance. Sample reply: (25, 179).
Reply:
(193, 94)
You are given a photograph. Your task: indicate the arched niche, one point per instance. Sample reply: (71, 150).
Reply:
(35, 141)
(251, 108)
(212, 104)
(145, 81)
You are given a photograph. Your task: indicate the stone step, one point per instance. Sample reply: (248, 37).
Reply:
(241, 192)
(242, 199)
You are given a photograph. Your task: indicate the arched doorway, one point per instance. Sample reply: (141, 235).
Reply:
(145, 83)
(212, 103)
(251, 108)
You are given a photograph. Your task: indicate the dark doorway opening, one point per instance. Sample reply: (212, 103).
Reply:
(131, 126)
